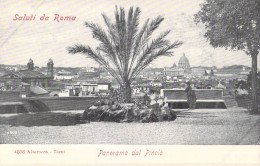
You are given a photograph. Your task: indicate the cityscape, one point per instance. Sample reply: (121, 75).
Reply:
(63, 81)
(139, 74)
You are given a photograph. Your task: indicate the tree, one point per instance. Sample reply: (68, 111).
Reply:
(235, 25)
(249, 82)
(124, 51)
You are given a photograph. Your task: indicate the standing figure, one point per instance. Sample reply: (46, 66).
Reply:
(191, 96)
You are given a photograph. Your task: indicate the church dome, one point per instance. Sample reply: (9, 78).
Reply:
(50, 61)
(184, 62)
(30, 61)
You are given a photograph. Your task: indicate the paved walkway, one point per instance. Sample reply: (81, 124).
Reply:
(231, 126)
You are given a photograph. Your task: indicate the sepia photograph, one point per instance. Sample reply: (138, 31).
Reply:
(129, 72)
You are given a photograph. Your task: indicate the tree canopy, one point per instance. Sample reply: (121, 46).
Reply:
(232, 24)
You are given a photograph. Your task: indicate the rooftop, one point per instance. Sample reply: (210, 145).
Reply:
(29, 74)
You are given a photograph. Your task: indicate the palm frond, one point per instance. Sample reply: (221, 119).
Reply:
(163, 51)
(132, 29)
(137, 43)
(113, 35)
(118, 27)
(106, 45)
(144, 37)
(157, 43)
(86, 50)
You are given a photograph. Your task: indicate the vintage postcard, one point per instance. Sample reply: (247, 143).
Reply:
(111, 82)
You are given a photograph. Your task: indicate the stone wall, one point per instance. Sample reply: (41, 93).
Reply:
(52, 103)
(10, 96)
(60, 103)
(201, 94)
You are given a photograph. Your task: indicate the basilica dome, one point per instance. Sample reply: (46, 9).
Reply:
(184, 62)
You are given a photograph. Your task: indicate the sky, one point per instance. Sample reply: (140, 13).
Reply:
(42, 40)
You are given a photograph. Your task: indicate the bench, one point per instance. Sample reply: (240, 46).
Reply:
(206, 98)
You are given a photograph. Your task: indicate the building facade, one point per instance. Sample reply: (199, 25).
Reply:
(15, 79)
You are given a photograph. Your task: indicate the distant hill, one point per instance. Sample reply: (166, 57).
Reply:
(236, 67)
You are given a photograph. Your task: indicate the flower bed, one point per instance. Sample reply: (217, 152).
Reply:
(129, 112)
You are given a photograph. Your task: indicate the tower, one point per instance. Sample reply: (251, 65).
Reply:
(50, 68)
(30, 64)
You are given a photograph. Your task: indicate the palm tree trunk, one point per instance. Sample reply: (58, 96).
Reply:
(127, 91)
(254, 82)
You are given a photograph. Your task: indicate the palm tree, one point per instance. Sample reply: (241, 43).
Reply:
(124, 51)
